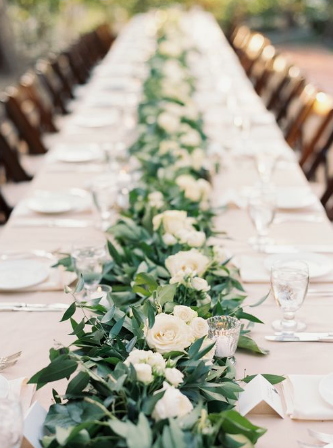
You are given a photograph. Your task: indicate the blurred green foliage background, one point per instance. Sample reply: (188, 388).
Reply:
(39, 24)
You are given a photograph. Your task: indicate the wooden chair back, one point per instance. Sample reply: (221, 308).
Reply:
(252, 51)
(10, 148)
(261, 68)
(53, 85)
(5, 209)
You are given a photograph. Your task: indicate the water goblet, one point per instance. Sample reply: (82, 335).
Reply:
(289, 282)
(261, 208)
(225, 331)
(11, 423)
(88, 258)
(104, 192)
(265, 164)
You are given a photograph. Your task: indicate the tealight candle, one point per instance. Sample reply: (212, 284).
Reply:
(224, 330)
(102, 292)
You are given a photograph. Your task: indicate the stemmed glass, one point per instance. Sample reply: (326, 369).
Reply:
(261, 208)
(265, 164)
(11, 423)
(104, 192)
(289, 281)
(88, 257)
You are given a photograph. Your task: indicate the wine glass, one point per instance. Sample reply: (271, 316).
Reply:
(104, 192)
(289, 281)
(261, 208)
(11, 423)
(88, 257)
(265, 164)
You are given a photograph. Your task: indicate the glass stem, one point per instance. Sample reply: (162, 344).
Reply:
(288, 322)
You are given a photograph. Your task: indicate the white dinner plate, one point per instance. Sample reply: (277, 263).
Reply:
(4, 387)
(95, 121)
(85, 153)
(20, 274)
(294, 198)
(326, 389)
(49, 202)
(319, 265)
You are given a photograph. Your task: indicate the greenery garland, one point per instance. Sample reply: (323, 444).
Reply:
(145, 372)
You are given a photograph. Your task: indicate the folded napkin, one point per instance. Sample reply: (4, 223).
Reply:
(19, 389)
(232, 198)
(303, 400)
(253, 270)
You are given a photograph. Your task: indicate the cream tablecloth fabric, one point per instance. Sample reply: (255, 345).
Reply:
(35, 333)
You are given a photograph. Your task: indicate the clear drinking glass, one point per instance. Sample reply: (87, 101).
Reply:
(224, 330)
(265, 163)
(103, 295)
(88, 258)
(261, 208)
(289, 281)
(242, 125)
(104, 192)
(11, 423)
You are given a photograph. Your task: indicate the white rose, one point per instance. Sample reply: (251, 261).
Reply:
(170, 123)
(167, 146)
(191, 138)
(191, 259)
(199, 327)
(198, 158)
(183, 235)
(220, 254)
(174, 376)
(137, 356)
(170, 48)
(174, 109)
(196, 239)
(172, 404)
(157, 221)
(174, 220)
(205, 189)
(184, 313)
(169, 240)
(156, 199)
(169, 333)
(188, 184)
(200, 284)
(157, 362)
(144, 373)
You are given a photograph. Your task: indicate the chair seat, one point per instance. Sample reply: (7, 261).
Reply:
(15, 192)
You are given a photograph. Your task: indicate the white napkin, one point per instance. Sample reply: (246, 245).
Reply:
(232, 198)
(19, 389)
(252, 270)
(303, 401)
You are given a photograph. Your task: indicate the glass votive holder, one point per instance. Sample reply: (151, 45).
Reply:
(102, 295)
(224, 330)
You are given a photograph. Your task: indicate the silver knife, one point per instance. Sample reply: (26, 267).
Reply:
(64, 223)
(16, 306)
(301, 337)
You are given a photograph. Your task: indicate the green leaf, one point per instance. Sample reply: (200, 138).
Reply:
(147, 280)
(78, 383)
(61, 367)
(69, 312)
(109, 315)
(117, 327)
(114, 253)
(234, 423)
(165, 293)
(262, 300)
(150, 402)
(249, 344)
(242, 315)
(273, 379)
(79, 285)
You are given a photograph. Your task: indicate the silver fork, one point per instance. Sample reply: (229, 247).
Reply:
(9, 361)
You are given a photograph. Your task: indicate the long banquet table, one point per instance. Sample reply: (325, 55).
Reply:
(35, 333)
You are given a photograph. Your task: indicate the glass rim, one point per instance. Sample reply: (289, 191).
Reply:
(283, 265)
(236, 324)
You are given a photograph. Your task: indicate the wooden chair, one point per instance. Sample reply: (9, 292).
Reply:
(53, 85)
(252, 51)
(5, 209)
(61, 66)
(77, 63)
(320, 159)
(261, 68)
(105, 37)
(32, 117)
(239, 38)
(10, 154)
